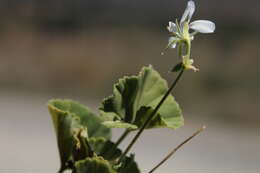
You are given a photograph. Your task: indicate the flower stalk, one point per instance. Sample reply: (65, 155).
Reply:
(186, 58)
(148, 120)
(181, 37)
(122, 137)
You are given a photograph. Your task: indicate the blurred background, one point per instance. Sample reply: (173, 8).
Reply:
(78, 49)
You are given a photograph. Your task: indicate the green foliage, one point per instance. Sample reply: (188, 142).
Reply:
(87, 118)
(129, 165)
(105, 148)
(135, 97)
(73, 124)
(83, 141)
(99, 165)
(93, 165)
(137, 103)
(109, 151)
(119, 124)
(64, 131)
(84, 138)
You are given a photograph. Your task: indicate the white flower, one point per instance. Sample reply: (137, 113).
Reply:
(180, 30)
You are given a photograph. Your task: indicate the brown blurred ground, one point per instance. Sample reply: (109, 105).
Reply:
(87, 63)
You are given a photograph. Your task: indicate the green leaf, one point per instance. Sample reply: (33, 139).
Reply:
(82, 149)
(71, 120)
(105, 148)
(129, 165)
(111, 122)
(119, 124)
(87, 118)
(64, 131)
(135, 97)
(110, 152)
(93, 165)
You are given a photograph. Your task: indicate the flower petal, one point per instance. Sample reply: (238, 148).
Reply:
(203, 26)
(173, 45)
(188, 12)
(172, 27)
(172, 42)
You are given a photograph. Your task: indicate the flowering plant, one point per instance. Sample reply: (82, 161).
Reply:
(138, 102)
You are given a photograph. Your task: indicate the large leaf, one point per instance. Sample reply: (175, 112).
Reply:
(71, 120)
(64, 126)
(87, 118)
(135, 97)
(93, 165)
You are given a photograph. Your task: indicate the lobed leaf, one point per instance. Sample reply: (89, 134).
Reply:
(135, 97)
(74, 123)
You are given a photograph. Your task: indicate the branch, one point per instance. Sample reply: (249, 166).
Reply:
(178, 147)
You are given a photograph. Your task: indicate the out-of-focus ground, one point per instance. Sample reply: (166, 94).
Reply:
(48, 52)
(28, 142)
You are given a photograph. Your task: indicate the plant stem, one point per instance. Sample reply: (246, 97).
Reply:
(122, 137)
(175, 149)
(180, 48)
(188, 48)
(151, 115)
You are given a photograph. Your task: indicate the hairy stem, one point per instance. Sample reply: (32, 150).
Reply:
(175, 149)
(151, 115)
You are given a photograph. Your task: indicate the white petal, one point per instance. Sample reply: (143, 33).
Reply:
(172, 42)
(203, 26)
(172, 27)
(173, 45)
(188, 12)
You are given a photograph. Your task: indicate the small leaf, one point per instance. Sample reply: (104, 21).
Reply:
(105, 148)
(93, 165)
(110, 152)
(135, 97)
(129, 165)
(119, 124)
